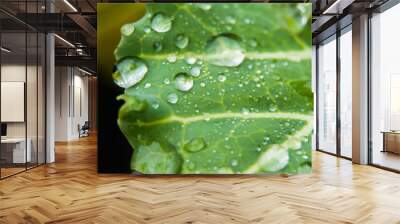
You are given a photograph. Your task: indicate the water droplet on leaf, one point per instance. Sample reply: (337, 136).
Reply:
(161, 23)
(230, 20)
(147, 85)
(171, 58)
(221, 78)
(234, 162)
(190, 60)
(299, 18)
(157, 46)
(275, 159)
(181, 41)
(147, 29)
(191, 166)
(195, 71)
(253, 43)
(127, 29)
(224, 50)
(204, 6)
(195, 145)
(166, 81)
(130, 71)
(155, 105)
(172, 98)
(183, 82)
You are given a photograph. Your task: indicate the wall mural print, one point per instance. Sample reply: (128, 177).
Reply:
(213, 88)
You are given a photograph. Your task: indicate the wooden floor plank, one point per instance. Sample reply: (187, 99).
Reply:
(71, 191)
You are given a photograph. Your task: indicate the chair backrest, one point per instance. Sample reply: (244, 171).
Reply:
(86, 124)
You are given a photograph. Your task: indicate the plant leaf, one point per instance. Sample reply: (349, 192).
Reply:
(227, 88)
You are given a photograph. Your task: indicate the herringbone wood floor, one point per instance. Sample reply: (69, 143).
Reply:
(70, 191)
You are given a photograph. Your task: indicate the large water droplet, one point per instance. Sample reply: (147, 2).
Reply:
(195, 145)
(181, 41)
(183, 82)
(161, 23)
(127, 29)
(195, 71)
(172, 98)
(130, 71)
(224, 50)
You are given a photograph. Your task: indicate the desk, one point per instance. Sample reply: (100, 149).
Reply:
(391, 141)
(16, 147)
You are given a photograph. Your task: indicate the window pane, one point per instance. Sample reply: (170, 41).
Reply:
(385, 84)
(327, 96)
(346, 94)
(41, 98)
(31, 97)
(14, 153)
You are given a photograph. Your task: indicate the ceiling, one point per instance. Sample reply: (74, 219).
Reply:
(75, 22)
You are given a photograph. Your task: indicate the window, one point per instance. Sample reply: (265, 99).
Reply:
(385, 89)
(346, 92)
(327, 95)
(22, 77)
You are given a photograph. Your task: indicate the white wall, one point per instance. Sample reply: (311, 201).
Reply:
(16, 73)
(62, 81)
(71, 102)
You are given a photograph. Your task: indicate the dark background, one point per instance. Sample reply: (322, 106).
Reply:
(113, 155)
(114, 151)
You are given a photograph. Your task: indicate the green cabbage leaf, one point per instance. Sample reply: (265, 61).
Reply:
(217, 88)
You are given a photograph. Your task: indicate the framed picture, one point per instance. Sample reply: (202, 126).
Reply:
(205, 88)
